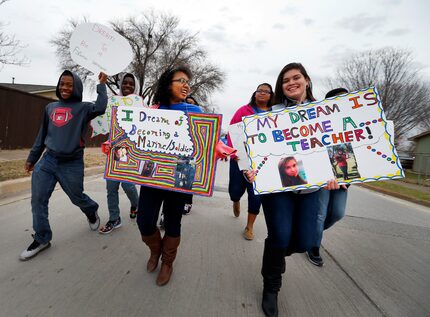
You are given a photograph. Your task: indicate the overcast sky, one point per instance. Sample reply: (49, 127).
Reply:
(249, 40)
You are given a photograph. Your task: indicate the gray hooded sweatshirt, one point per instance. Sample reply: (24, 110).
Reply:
(65, 123)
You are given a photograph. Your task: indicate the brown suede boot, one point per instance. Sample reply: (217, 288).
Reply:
(154, 243)
(168, 255)
(236, 208)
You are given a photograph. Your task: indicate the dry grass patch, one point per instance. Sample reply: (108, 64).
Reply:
(15, 169)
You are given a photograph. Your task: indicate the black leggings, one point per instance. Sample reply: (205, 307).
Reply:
(150, 200)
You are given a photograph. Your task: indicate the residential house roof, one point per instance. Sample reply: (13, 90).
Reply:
(32, 89)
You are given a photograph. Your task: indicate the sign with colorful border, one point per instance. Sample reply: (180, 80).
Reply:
(101, 124)
(345, 137)
(166, 149)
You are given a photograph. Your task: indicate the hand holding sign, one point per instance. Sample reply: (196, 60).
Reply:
(100, 49)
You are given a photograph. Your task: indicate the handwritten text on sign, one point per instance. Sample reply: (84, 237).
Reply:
(343, 137)
(164, 131)
(99, 48)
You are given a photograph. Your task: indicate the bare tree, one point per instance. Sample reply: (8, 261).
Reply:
(10, 48)
(405, 96)
(157, 44)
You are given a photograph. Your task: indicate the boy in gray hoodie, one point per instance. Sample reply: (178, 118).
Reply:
(62, 134)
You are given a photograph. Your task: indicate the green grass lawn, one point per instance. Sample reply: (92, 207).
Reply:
(396, 187)
(415, 178)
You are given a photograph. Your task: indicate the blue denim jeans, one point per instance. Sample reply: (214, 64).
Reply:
(291, 220)
(236, 188)
(150, 200)
(112, 188)
(47, 172)
(332, 204)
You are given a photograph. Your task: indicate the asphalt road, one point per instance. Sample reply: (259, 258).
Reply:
(377, 263)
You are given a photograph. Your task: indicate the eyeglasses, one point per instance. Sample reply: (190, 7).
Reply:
(267, 92)
(183, 81)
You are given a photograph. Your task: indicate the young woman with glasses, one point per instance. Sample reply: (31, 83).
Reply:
(173, 87)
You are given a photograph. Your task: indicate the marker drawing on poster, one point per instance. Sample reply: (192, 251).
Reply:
(345, 137)
(166, 149)
(101, 124)
(100, 49)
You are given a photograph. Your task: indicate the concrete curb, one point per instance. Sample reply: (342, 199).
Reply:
(19, 185)
(395, 194)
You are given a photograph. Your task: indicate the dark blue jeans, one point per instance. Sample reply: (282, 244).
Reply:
(150, 200)
(47, 172)
(236, 188)
(291, 220)
(332, 204)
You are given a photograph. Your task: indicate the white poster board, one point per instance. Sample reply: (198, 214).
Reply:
(99, 48)
(101, 124)
(345, 137)
(238, 140)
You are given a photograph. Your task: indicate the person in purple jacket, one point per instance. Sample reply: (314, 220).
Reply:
(62, 134)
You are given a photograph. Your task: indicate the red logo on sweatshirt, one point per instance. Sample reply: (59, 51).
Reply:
(61, 116)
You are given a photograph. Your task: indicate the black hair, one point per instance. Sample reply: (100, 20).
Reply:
(287, 180)
(163, 92)
(336, 91)
(193, 99)
(128, 75)
(279, 93)
(269, 103)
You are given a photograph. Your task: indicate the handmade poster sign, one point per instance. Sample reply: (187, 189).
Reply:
(344, 137)
(101, 124)
(238, 140)
(99, 48)
(166, 149)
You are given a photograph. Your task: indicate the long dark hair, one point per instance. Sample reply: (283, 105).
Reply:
(279, 93)
(163, 92)
(269, 103)
(287, 180)
(193, 99)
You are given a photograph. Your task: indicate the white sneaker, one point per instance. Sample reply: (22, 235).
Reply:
(33, 250)
(94, 221)
(187, 209)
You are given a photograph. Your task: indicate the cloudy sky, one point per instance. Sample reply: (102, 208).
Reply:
(249, 40)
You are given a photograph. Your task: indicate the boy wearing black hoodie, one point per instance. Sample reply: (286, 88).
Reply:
(62, 134)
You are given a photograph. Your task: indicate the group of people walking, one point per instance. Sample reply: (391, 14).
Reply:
(295, 220)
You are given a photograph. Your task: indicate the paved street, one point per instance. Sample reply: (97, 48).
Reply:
(377, 263)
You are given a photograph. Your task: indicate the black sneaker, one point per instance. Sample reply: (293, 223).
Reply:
(33, 249)
(315, 257)
(133, 213)
(94, 221)
(110, 226)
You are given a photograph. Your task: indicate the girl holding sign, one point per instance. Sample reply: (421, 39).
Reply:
(291, 217)
(172, 88)
(261, 101)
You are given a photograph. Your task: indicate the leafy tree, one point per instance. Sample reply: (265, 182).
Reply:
(157, 44)
(405, 96)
